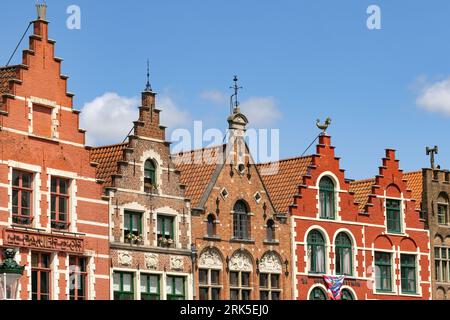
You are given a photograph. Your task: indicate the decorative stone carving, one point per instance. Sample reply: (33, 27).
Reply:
(270, 263)
(210, 259)
(177, 263)
(125, 258)
(241, 261)
(151, 261)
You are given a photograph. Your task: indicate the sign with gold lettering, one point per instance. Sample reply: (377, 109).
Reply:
(42, 241)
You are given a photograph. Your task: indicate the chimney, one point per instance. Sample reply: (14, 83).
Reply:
(41, 11)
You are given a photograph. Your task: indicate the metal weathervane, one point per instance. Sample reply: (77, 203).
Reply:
(234, 102)
(323, 126)
(432, 152)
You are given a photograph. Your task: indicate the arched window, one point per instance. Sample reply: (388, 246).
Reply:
(316, 252)
(443, 217)
(317, 294)
(344, 260)
(241, 221)
(211, 226)
(270, 231)
(149, 176)
(347, 295)
(326, 196)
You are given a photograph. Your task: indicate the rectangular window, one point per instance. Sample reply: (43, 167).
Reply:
(22, 197)
(408, 273)
(132, 227)
(166, 232)
(60, 203)
(123, 286)
(78, 278)
(150, 287)
(269, 286)
(175, 288)
(40, 276)
(393, 208)
(383, 272)
(442, 264)
(209, 284)
(240, 284)
(442, 214)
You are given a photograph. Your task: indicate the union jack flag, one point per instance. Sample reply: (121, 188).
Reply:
(334, 285)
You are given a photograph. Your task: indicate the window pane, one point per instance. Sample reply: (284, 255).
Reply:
(127, 221)
(16, 178)
(215, 277)
(203, 276)
(234, 294)
(204, 294)
(127, 282)
(169, 285)
(63, 186)
(215, 294)
(245, 279)
(45, 282)
(264, 295)
(54, 185)
(275, 295)
(264, 281)
(154, 284)
(275, 281)
(62, 206)
(144, 287)
(179, 286)
(234, 279)
(116, 282)
(26, 180)
(245, 295)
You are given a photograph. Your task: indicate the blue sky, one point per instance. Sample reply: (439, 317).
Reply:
(301, 60)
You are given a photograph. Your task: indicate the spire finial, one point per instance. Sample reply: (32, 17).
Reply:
(148, 87)
(41, 10)
(234, 101)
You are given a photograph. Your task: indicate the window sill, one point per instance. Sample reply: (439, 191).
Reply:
(248, 241)
(271, 243)
(214, 238)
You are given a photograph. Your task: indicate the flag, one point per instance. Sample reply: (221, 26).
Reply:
(334, 285)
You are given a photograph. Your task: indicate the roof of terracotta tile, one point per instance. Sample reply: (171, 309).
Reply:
(414, 182)
(6, 74)
(362, 190)
(107, 158)
(197, 168)
(282, 181)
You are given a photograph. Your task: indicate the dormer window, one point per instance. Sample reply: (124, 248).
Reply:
(326, 196)
(149, 176)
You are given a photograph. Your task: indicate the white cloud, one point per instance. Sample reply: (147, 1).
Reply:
(172, 116)
(261, 111)
(109, 118)
(435, 97)
(215, 96)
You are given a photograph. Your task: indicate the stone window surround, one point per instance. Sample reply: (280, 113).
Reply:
(157, 161)
(337, 192)
(162, 278)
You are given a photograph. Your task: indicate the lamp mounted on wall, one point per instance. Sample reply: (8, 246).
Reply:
(286, 265)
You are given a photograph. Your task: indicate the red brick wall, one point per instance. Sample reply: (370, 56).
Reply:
(367, 229)
(61, 154)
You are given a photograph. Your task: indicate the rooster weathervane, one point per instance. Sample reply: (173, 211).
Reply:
(323, 126)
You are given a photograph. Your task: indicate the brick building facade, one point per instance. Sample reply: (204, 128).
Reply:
(435, 205)
(149, 215)
(51, 209)
(370, 231)
(243, 244)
